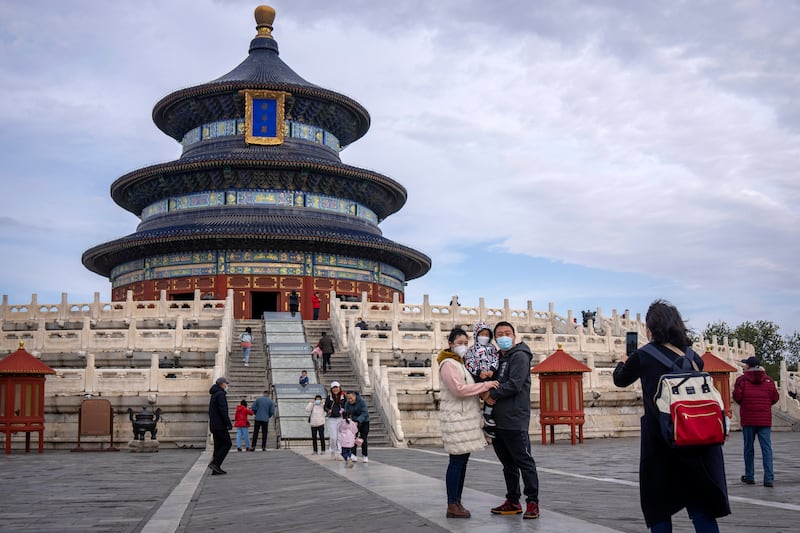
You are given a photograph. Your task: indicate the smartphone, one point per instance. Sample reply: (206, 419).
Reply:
(631, 342)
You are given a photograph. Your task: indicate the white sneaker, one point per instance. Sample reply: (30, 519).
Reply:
(246, 364)
(365, 459)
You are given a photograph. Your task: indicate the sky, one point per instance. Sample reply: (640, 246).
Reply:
(588, 154)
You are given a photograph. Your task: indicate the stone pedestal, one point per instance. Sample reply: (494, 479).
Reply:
(143, 446)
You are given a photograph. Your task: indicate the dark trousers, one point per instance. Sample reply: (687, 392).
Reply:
(222, 445)
(326, 361)
(363, 431)
(318, 432)
(513, 449)
(316, 313)
(454, 479)
(263, 426)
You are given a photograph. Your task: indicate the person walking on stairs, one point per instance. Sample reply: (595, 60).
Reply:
(326, 345)
(246, 341)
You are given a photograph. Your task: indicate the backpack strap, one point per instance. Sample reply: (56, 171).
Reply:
(664, 360)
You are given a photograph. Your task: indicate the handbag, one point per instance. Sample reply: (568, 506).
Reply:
(359, 441)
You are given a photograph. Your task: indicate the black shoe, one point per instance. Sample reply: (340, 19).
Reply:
(217, 470)
(215, 473)
(489, 432)
(748, 481)
(769, 483)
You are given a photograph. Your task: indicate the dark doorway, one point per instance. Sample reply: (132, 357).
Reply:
(182, 296)
(263, 302)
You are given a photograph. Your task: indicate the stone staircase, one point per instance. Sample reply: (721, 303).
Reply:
(249, 382)
(342, 370)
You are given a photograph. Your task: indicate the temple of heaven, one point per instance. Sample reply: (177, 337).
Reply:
(259, 201)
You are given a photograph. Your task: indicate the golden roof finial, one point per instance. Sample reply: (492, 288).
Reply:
(559, 345)
(21, 344)
(265, 16)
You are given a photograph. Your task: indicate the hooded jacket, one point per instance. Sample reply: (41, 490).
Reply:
(756, 393)
(218, 417)
(513, 408)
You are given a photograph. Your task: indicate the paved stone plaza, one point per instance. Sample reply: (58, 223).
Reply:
(585, 488)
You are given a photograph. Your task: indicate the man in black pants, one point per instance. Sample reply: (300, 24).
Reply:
(220, 423)
(512, 414)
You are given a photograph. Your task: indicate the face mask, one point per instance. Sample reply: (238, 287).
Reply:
(460, 350)
(504, 343)
(317, 402)
(483, 341)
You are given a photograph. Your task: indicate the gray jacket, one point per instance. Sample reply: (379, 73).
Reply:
(513, 407)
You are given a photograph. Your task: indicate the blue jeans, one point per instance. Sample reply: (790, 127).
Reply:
(765, 441)
(454, 479)
(703, 523)
(242, 434)
(246, 354)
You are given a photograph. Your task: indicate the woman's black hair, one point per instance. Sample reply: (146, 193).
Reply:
(666, 325)
(243, 402)
(456, 333)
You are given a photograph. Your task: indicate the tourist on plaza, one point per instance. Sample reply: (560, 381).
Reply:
(460, 417)
(220, 424)
(791, 386)
(315, 303)
(756, 393)
(294, 302)
(356, 409)
(334, 406)
(303, 379)
(512, 416)
(316, 419)
(671, 478)
(481, 362)
(242, 425)
(246, 342)
(326, 345)
(347, 430)
(264, 409)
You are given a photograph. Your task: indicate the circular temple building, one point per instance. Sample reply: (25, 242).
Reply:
(259, 201)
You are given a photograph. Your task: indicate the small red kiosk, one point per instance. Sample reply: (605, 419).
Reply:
(561, 393)
(22, 397)
(720, 371)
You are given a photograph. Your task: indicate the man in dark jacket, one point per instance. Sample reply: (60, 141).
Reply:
(326, 345)
(220, 423)
(512, 414)
(356, 409)
(756, 393)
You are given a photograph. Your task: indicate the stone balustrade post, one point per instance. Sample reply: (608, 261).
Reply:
(551, 314)
(593, 374)
(197, 305)
(550, 338)
(34, 309)
(129, 305)
(435, 380)
(4, 307)
(90, 374)
(131, 344)
(154, 373)
(783, 401)
(482, 310)
(63, 309)
(179, 332)
(438, 338)
(506, 310)
(163, 304)
(86, 333)
(96, 306)
(40, 335)
(570, 318)
(426, 307)
(396, 309)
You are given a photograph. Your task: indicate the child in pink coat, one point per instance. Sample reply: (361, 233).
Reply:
(347, 438)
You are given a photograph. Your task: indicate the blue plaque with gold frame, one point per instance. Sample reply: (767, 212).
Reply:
(263, 116)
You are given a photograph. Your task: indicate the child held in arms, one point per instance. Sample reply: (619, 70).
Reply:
(481, 361)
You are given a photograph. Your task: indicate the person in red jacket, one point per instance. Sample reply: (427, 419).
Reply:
(315, 303)
(756, 393)
(242, 425)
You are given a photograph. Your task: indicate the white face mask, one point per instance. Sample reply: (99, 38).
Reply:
(460, 350)
(483, 341)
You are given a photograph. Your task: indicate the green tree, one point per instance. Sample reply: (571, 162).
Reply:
(720, 329)
(767, 343)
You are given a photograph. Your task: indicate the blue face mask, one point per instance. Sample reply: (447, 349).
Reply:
(504, 343)
(317, 402)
